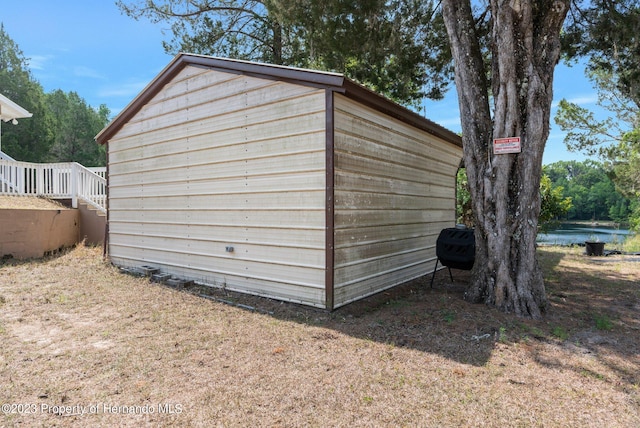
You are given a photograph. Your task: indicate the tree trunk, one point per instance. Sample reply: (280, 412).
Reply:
(277, 43)
(504, 188)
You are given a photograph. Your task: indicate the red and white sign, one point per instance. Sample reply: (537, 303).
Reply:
(506, 145)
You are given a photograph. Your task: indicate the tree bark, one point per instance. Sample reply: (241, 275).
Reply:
(525, 49)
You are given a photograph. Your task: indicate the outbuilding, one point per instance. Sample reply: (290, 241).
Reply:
(294, 184)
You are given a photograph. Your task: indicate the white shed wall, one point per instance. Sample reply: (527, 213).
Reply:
(220, 160)
(394, 192)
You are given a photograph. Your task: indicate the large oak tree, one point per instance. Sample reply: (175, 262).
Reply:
(514, 100)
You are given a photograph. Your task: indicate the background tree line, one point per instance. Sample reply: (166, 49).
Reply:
(593, 193)
(63, 125)
(569, 190)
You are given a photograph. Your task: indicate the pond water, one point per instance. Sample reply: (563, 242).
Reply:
(577, 233)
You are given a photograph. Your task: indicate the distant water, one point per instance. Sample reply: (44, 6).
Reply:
(573, 233)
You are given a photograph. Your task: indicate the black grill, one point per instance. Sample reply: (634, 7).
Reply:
(455, 248)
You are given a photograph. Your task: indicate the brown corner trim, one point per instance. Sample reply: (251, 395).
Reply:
(330, 201)
(105, 242)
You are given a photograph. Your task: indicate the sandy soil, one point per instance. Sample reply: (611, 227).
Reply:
(86, 345)
(28, 203)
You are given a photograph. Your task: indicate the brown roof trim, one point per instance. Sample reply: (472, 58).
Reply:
(326, 80)
(275, 72)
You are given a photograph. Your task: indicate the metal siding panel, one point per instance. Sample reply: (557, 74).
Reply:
(355, 199)
(308, 295)
(394, 192)
(368, 286)
(243, 167)
(209, 134)
(269, 254)
(363, 122)
(217, 266)
(225, 186)
(282, 236)
(370, 235)
(415, 155)
(298, 200)
(436, 174)
(232, 108)
(347, 219)
(263, 168)
(389, 266)
(158, 159)
(369, 183)
(378, 251)
(281, 217)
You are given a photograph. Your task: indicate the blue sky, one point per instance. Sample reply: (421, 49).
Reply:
(89, 47)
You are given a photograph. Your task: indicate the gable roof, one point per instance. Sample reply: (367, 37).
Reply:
(320, 79)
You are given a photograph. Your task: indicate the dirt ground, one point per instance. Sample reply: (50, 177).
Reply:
(28, 203)
(86, 345)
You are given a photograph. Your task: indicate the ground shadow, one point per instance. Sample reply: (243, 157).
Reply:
(413, 315)
(597, 312)
(437, 320)
(9, 260)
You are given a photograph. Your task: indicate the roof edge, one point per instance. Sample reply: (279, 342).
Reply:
(320, 79)
(12, 111)
(294, 75)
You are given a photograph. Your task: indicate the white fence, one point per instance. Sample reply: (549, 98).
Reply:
(68, 180)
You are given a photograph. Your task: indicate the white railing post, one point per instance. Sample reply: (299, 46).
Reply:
(39, 180)
(20, 179)
(55, 173)
(74, 185)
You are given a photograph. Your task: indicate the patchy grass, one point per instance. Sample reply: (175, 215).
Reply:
(632, 243)
(77, 332)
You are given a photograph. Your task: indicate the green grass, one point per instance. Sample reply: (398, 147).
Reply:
(502, 337)
(448, 316)
(560, 333)
(603, 322)
(632, 244)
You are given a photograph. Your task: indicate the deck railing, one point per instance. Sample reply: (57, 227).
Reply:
(68, 180)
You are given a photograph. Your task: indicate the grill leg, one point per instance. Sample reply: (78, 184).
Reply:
(450, 276)
(434, 273)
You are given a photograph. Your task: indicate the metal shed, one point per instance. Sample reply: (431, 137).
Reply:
(294, 184)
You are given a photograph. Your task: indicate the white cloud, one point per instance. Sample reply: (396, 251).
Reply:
(580, 100)
(37, 62)
(82, 71)
(451, 123)
(125, 90)
(585, 99)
